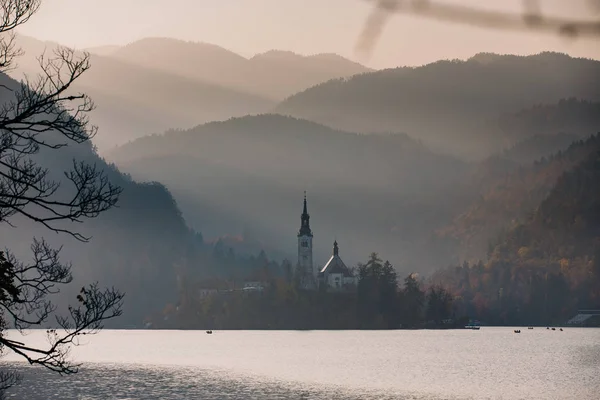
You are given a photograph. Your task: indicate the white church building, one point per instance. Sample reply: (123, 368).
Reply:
(333, 276)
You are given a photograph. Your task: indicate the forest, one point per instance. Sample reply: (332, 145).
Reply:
(378, 302)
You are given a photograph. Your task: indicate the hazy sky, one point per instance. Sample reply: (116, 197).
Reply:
(304, 26)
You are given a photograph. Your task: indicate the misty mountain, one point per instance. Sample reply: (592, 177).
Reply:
(246, 176)
(455, 106)
(546, 265)
(142, 246)
(569, 116)
(508, 199)
(134, 100)
(538, 146)
(102, 50)
(273, 75)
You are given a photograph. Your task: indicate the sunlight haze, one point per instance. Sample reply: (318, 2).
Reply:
(248, 27)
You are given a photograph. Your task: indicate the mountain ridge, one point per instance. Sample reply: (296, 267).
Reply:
(274, 74)
(451, 105)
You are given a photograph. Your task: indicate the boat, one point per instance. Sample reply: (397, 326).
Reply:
(517, 331)
(209, 332)
(473, 325)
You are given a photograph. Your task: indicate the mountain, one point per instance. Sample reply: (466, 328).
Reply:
(538, 146)
(246, 176)
(102, 50)
(134, 100)
(547, 266)
(508, 186)
(273, 75)
(570, 116)
(507, 199)
(454, 106)
(142, 246)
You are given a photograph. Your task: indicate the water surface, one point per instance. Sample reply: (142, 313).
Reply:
(493, 363)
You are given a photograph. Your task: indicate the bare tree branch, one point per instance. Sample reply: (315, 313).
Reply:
(532, 18)
(43, 115)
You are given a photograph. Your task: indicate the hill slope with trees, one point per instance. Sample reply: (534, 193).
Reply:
(547, 266)
(247, 175)
(452, 105)
(142, 246)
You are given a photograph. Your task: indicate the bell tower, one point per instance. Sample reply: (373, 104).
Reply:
(305, 269)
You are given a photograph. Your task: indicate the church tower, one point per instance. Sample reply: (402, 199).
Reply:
(305, 270)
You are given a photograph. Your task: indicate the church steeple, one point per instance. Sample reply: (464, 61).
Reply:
(336, 250)
(305, 270)
(305, 221)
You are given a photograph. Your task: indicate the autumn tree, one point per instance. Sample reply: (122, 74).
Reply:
(45, 115)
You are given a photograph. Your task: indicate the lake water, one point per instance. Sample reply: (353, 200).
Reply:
(492, 363)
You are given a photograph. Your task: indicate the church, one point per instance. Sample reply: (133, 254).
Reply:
(333, 276)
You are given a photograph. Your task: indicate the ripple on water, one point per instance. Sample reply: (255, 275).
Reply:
(492, 363)
(137, 382)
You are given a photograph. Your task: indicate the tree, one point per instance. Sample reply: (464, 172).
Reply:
(377, 291)
(439, 304)
(412, 300)
(43, 115)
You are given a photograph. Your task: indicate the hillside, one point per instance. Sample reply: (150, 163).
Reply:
(143, 246)
(546, 267)
(134, 100)
(102, 50)
(507, 199)
(273, 75)
(451, 105)
(246, 176)
(569, 116)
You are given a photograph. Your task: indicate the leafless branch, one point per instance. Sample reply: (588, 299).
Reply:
(531, 18)
(42, 114)
(24, 291)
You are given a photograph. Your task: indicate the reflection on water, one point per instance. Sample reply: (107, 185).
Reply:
(493, 363)
(130, 382)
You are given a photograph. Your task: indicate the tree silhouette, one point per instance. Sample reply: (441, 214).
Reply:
(37, 116)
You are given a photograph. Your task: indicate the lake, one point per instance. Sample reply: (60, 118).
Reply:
(492, 363)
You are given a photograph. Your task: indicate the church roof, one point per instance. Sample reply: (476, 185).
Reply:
(335, 265)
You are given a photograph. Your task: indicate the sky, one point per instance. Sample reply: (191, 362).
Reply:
(249, 27)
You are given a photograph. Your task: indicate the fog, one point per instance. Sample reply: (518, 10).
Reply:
(438, 147)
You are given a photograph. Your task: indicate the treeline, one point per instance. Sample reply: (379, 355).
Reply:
(379, 302)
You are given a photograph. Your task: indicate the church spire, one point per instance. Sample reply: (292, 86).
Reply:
(305, 221)
(336, 250)
(305, 212)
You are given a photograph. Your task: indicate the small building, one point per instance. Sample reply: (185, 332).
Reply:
(254, 286)
(206, 292)
(335, 275)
